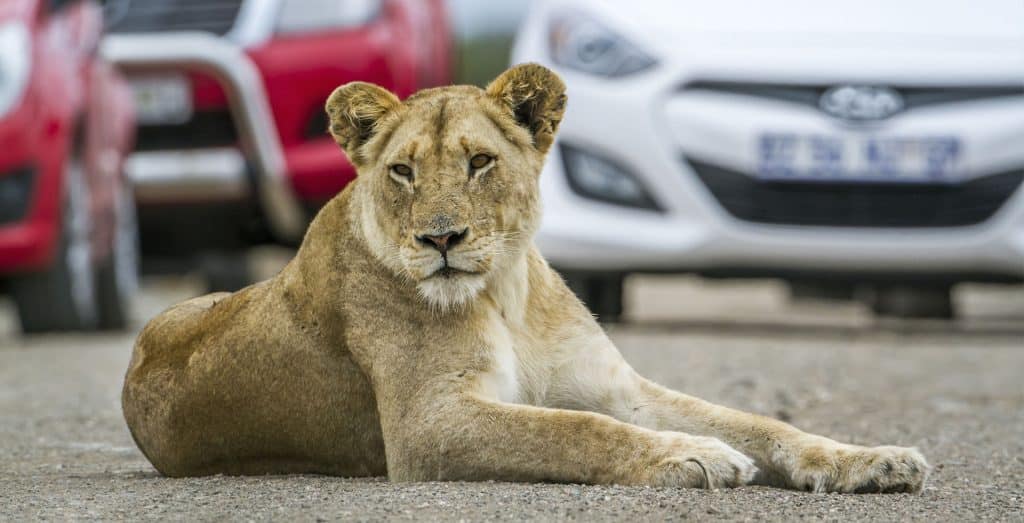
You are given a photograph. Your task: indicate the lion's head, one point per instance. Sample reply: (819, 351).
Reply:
(447, 179)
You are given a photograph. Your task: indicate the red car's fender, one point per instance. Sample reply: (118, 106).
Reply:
(51, 120)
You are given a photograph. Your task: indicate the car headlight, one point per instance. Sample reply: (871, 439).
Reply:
(15, 62)
(582, 43)
(302, 16)
(598, 178)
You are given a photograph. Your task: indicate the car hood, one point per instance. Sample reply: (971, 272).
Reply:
(955, 21)
(870, 38)
(16, 9)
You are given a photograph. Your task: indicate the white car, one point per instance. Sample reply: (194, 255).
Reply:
(877, 144)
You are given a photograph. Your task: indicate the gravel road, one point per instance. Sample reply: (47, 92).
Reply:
(954, 389)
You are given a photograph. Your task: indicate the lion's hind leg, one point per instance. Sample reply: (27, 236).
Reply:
(233, 384)
(153, 382)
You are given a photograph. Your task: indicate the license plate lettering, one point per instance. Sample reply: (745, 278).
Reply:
(162, 100)
(787, 156)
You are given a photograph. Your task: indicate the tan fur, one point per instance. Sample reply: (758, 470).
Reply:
(359, 358)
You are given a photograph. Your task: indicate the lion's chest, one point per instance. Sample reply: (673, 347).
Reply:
(501, 381)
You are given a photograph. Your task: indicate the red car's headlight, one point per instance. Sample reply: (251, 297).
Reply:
(15, 63)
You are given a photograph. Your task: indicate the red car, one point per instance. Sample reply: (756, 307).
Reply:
(232, 147)
(67, 223)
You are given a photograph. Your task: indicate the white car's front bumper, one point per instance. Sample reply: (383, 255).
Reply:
(651, 127)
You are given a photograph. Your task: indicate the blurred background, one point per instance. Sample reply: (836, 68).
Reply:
(720, 163)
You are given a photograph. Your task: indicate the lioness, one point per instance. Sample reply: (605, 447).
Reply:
(418, 333)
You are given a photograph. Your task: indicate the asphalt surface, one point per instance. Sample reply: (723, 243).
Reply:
(954, 389)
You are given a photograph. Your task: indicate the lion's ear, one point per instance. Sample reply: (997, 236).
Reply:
(536, 97)
(354, 110)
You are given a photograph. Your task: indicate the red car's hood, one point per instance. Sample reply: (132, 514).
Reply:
(17, 9)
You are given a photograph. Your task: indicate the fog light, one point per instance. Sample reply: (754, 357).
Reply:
(15, 192)
(598, 178)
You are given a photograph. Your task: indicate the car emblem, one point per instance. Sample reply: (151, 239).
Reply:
(861, 102)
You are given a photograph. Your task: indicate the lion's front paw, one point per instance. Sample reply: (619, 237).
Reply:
(702, 462)
(847, 468)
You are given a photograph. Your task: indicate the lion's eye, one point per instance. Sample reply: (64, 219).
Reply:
(480, 161)
(402, 170)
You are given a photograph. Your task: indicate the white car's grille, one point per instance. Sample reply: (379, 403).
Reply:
(810, 95)
(857, 204)
(143, 16)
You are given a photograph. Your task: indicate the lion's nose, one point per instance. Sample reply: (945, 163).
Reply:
(444, 241)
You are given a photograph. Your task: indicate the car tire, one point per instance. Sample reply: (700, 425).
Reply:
(118, 277)
(226, 271)
(601, 293)
(63, 297)
(912, 302)
(821, 291)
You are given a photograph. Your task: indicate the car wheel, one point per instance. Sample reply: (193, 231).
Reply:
(912, 302)
(226, 271)
(602, 294)
(63, 297)
(118, 278)
(821, 291)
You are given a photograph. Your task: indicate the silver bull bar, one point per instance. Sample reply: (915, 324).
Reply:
(231, 67)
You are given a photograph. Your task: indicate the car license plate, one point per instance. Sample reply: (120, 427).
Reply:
(165, 99)
(857, 158)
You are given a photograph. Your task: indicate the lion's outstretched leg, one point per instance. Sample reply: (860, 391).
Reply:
(789, 457)
(598, 379)
(464, 436)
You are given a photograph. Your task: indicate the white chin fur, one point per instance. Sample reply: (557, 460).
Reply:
(446, 293)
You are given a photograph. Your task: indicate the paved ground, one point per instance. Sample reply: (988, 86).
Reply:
(953, 389)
